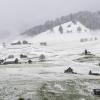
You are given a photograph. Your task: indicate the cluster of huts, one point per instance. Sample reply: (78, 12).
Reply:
(20, 42)
(86, 52)
(71, 71)
(24, 42)
(12, 60)
(95, 91)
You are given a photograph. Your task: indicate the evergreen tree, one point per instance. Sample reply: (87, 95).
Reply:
(30, 61)
(61, 29)
(79, 29)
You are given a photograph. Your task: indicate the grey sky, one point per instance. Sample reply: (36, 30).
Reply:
(18, 15)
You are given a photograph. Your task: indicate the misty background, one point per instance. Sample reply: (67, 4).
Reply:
(16, 16)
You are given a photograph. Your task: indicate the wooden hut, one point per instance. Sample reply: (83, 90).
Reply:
(91, 73)
(69, 70)
(96, 92)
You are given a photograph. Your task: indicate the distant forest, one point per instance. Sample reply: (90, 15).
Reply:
(90, 20)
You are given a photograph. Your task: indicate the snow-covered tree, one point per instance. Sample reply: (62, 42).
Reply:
(30, 61)
(42, 57)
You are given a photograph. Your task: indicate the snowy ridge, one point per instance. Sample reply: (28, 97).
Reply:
(71, 27)
(70, 32)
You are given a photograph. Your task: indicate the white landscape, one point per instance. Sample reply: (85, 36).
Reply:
(46, 80)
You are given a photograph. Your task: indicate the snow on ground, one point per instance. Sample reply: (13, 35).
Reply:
(47, 80)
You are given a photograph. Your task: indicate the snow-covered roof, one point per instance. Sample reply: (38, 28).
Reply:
(10, 60)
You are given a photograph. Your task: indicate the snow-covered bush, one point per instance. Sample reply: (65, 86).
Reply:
(23, 56)
(84, 40)
(25, 42)
(43, 43)
(95, 38)
(42, 57)
(10, 56)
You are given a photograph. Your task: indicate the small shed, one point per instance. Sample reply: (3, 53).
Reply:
(69, 70)
(11, 61)
(43, 43)
(91, 73)
(86, 52)
(16, 43)
(96, 92)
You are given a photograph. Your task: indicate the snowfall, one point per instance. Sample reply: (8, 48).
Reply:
(47, 80)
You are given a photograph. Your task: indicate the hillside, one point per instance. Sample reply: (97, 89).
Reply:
(90, 20)
(63, 32)
(70, 31)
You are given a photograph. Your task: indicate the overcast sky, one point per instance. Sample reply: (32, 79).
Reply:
(18, 15)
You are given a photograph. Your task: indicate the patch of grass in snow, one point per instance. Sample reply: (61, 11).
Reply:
(67, 90)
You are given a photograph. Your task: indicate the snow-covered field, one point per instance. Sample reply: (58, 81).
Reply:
(47, 80)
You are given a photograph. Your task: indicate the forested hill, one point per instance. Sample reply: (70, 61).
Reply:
(91, 20)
